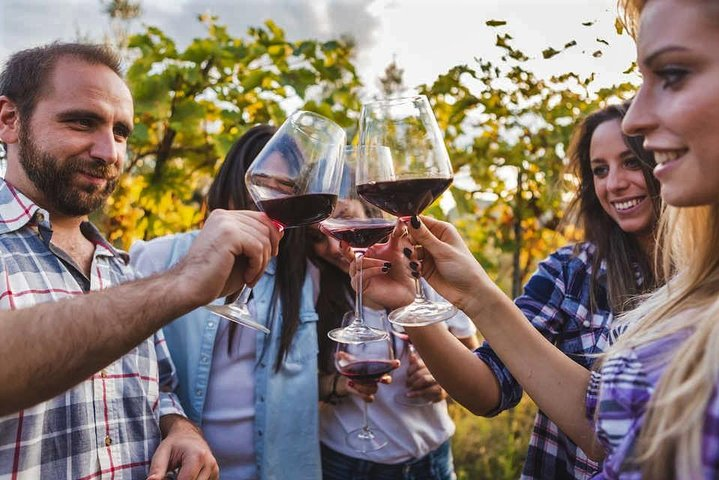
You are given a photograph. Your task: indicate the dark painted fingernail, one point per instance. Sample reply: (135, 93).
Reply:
(407, 252)
(385, 269)
(415, 274)
(415, 222)
(413, 265)
(387, 264)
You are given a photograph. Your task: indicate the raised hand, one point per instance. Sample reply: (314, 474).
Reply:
(449, 266)
(232, 249)
(387, 279)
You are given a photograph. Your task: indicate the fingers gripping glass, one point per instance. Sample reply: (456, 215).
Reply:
(408, 181)
(361, 225)
(366, 363)
(295, 180)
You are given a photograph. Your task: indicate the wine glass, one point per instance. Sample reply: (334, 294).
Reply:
(407, 182)
(361, 225)
(401, 397)
(366, 363)
(295, 180)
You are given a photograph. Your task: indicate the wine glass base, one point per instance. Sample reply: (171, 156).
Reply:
(356, 334)
(239, 315)
(366, 440)
(403, 399)
(422, 312)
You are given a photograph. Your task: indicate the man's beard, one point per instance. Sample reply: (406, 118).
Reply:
(54, 179)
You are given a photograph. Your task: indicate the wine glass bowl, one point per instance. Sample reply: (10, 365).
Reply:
(407, 181)
(295, 177)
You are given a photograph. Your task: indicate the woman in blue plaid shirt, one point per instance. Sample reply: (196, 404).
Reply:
(575, 293)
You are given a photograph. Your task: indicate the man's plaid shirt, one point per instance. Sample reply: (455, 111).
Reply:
(108, 425)
(557, 302)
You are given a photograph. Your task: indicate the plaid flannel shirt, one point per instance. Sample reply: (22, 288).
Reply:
(108, 425)
(617, 400)
(557, 302)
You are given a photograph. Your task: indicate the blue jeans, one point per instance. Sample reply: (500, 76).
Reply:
(436, 465)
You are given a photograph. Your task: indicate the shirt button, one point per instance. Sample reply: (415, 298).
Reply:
(198, 392)
(210, 324)
(586, 323)
(108, 441)
(204, 359)
(103, 374)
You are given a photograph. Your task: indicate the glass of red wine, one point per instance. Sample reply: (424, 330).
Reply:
(295, 180)
(361, 225)
(408, 181)
(401, 397)
(366, 363)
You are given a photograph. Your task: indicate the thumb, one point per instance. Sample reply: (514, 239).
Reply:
(158, 467)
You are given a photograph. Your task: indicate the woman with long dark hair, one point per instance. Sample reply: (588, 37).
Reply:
(572, 298)
(253, 395)
(419, 436)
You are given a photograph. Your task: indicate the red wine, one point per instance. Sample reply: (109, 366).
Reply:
(404, 198)
(359, 233)
(298, 210)
(367, 371)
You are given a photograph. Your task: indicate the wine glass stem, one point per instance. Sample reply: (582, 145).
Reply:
(359, 313)
(418, 292)
(365, 422)
(244, 296)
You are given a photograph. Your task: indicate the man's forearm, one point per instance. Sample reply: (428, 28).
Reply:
(51, 347)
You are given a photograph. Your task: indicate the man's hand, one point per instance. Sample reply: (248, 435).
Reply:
(183, 447)
(232, 249)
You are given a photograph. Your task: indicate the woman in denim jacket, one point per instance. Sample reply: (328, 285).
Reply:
(254, 395)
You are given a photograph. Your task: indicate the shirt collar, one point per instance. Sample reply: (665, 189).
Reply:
(17, 211)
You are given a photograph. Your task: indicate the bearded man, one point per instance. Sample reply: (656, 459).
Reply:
(71, 336)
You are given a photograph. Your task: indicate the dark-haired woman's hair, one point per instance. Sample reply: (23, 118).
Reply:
(228, 191)
(336, 297)
(622, 251)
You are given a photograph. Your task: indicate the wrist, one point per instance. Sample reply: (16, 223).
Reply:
(478, 306)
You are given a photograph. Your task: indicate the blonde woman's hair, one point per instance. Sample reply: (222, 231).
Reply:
(629, 14)
(669, 445)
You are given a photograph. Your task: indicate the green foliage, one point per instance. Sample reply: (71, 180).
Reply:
(191, 105)
(508, 130)
(491, 448)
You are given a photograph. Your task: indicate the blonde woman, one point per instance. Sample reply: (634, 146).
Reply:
(650, 408)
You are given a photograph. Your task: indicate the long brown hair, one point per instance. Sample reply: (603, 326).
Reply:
(620, 250)
(228, 190)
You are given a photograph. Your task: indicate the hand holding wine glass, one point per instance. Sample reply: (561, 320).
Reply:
(408, 181)
(294, 180)
(366, 363)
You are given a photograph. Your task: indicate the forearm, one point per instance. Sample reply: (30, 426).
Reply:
(472, 343)
(557, 384)
(50, 347)
(466, 378)
(174, 422)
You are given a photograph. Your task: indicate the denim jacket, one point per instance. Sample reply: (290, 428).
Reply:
(286, 412)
